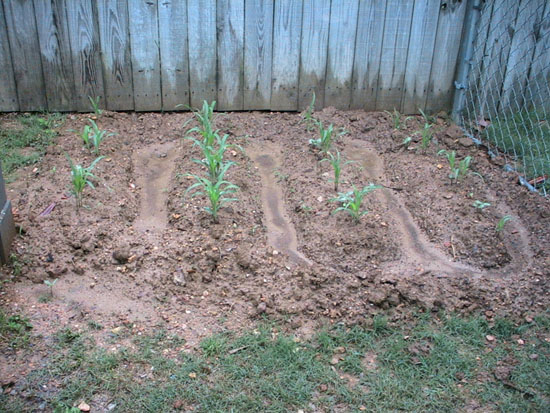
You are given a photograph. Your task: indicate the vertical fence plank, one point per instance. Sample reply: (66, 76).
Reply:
(447, 47)
(144, 43)
(496, 55)
(341, 51)
(539, 73)
(25, 54)
(230, 21)
(419, 59)
(174, 54)
(115, 51)
(286, 54)
(393, 60)
(521, 55)
(258, 41)
(368, 47)
(313, 52)
(53, 36)
(8, 92)
(202, 50)
(85, 51)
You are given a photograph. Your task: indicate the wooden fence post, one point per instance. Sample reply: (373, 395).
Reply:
(7, 227)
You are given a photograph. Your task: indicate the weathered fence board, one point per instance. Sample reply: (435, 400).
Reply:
(285, 72)
(230, 54)
(257, 54)
(174, 52)
(25, 53)
(368, 48)
(420, 55)
(202, 50)
(313, 52)
(85, 50)
(53, 35)
(144, 43)
(343, 29)
(447, 47)
(115, 53)
(394, 54)
(539, 73)
(8, 91)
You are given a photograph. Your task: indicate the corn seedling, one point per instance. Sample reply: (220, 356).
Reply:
(351, 201)
(337, 164)
(502, 222)
(406, 142)
(80, 178)
(85, 136)
(426, 135)
(50, 284)
(205, 117)
(457, 171)
(95, 104)
(308, 118)
(427, 118)
(397, 118)
(480, 205)
(97, 136)
(324, 142)
(215, 191)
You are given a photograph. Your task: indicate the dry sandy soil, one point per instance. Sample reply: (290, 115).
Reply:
(143, 253)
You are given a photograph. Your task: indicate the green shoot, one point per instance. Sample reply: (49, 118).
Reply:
(426, 134)
(407, 141)
(427, 118)
(205, 117)
(502, 222)
(351, 201)
(308, 115)
(97, 136)
(85, 136)
(397, 119)
(80, 178)
(324, 142)
(50, 284)
(213, 157)
(95, 105)
(457, 171)
(336, 163)
(216, 191)
(480, 205)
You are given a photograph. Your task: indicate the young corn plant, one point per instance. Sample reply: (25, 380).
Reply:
(397, 119)
(216, 191)
(80, 178)
(336, 162)
(85, 135)
(213, 155)
(324, 142)
(426, 135)
(502, 222)
(204, 118)
(458, 171)
(480, 205)
(307, 117)
(95, 105)
(97, 136)
(427, 118)
(351, 201)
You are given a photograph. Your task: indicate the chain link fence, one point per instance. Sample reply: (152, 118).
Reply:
(507, 92)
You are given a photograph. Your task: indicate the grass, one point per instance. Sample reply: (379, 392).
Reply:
(14, 331)
(434, 363)
(25, 143)
(525, 135)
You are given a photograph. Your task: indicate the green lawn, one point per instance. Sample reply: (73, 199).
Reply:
(434, 363)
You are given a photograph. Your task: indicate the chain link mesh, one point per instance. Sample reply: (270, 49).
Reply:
(508, 88)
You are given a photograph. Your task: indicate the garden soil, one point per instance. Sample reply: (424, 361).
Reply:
(143, 254)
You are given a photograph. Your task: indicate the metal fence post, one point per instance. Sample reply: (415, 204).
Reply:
(7, 227)
(465, 59)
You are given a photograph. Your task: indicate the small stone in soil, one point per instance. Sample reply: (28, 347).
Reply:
(121, 255)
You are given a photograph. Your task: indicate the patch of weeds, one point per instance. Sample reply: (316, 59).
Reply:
(214, 346)
(66, 336)
(14, 330)
(26, 141)
(94, 325)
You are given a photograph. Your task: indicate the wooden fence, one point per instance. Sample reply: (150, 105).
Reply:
(246, 54)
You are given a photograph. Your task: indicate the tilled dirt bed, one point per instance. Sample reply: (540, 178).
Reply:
(144, 253)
